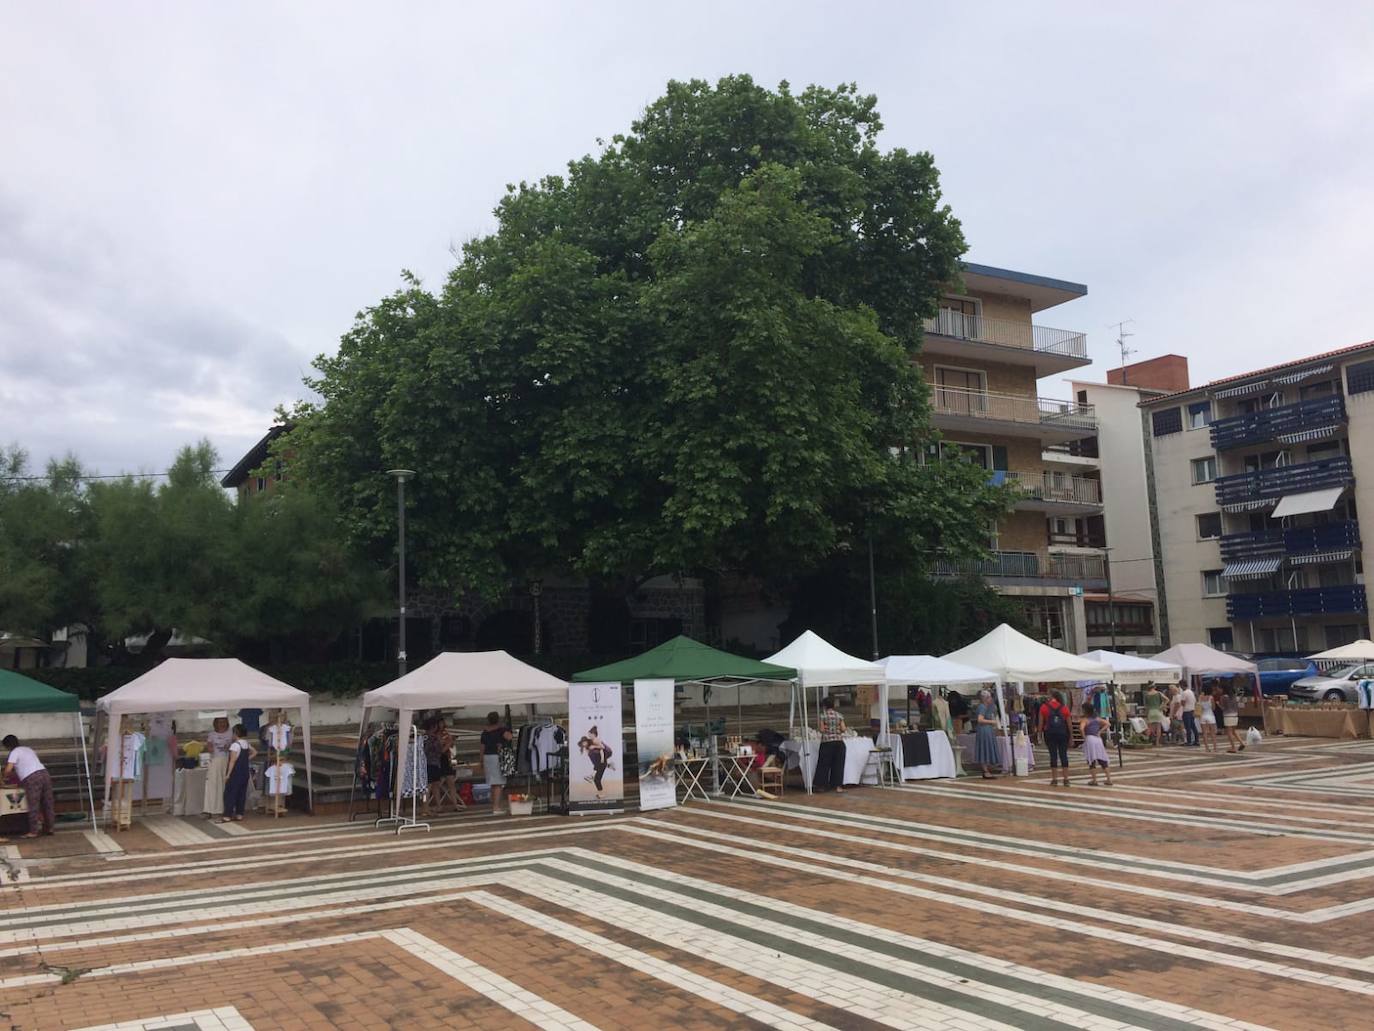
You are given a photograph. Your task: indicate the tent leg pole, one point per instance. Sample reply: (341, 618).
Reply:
(353, 787)
(86, 765)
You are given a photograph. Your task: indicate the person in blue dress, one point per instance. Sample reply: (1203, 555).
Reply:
(986, 751)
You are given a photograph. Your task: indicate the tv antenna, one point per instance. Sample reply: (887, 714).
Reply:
(1121, 337)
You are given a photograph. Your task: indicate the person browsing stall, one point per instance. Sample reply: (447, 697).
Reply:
(236, 773)
(494, 736)
(830, 763)
(22, 763)
(1055, 720)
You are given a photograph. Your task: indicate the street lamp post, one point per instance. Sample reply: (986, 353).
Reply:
(537, 589)
(401, 475)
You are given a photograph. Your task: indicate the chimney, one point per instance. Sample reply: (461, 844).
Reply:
(1167, 373)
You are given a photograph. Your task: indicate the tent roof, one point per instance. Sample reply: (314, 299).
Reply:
(1014, 656)
(1135, 669)
(180, 684)
(685, 659)
(820, 664)
(1355, 651)
(929, 669)
(451, 680)
(1197, 659)
(24, 694)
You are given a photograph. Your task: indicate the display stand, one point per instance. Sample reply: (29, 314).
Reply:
(274, 784)
(398, 819)
(121, 812)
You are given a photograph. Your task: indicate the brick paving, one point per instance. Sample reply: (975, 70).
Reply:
(1200, 891)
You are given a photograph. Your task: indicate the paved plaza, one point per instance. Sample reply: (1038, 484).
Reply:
(1199, 891)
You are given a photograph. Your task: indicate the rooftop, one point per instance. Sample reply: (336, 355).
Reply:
(1258, 374)
(1043, 291)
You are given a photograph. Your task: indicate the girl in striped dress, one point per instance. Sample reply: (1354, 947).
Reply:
(1093, 749)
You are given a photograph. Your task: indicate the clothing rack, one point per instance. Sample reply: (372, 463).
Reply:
(363, 738)
(413, 754)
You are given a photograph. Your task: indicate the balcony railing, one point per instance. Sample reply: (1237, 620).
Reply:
(1305, 540)
(1025, 335)
(1077, 540)
(1306, 420)
(1238, 547)
(1273, 483)
(1022, 408)
(1312, 601)
(1027, 565)
(1081, 490)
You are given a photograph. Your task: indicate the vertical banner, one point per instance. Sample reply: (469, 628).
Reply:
(655, 740)
(596, 781)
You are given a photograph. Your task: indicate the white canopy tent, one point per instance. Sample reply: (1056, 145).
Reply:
(1197, 660)
(1019, 659)
(180, 685)
(928, 670)
(1134, 669)
(1355, 651)
(820, 664)
(455, 680)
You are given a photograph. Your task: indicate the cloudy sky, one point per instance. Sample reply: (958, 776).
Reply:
(197, 197)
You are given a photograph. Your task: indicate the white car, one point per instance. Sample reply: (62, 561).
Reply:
(1336, 686)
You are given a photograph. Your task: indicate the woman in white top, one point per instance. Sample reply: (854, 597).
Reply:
(217, 743)
(1208, 723)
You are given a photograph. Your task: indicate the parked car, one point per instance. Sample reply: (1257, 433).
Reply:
(1278, 675)
(1337, 686)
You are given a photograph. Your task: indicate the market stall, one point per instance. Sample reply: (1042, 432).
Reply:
(820, 664)
(185, 685)
(1131, 670)
(690, 663)
(451, 680)
(930, 756)
(21, 694)
(1017, 659)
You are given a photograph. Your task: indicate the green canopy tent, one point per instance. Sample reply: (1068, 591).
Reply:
(20, 694)
(686, 661)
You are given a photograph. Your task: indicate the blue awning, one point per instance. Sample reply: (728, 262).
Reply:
(1252, 569)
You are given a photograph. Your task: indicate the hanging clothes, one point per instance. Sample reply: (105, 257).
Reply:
(414, 778)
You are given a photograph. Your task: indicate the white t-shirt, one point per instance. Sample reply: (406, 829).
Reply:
(131, 759)
(25, 761)
(279, 736)
(1189, 699)
(287, 772)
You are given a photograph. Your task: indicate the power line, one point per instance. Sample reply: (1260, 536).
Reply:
(100, 476)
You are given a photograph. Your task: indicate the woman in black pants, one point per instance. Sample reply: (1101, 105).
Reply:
(1055, 720)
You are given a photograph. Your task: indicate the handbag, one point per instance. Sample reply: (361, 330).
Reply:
(506, 756)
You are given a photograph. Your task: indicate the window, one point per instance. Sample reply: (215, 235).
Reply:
(1282, 639)
(1199, 415)
(1213, 583)
(1168, 421)
(1132, 620)
(1205, 469)
(1082, 397)
(1342, 633)
(262, 483)
(1221, 638)
(1209, 526)
(962, 391)
(1320, 452)
(1359, 378)
(974, 454)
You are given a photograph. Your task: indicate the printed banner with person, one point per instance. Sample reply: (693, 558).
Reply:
(654, 738)
(596, 781)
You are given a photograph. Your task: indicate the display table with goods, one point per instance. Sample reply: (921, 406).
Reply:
(856, 750)
(1324, 719)
(921, 754)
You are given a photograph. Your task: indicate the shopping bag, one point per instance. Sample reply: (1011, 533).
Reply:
(1253, 738)
(1164, 723)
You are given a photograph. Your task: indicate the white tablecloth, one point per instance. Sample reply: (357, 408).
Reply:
(856, 750)
(941, 757)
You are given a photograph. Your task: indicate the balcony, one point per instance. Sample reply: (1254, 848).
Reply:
(1259, 488)
(979, 411)
(1030, 568)
(1077, 539)
(1290, 424)
(1312, 601)
(1005, 340)
(1054, 492)
(1333, 542)
(1072, 452)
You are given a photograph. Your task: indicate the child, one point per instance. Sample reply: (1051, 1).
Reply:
(1093, 749)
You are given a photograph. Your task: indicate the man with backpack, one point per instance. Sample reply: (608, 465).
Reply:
(1055, 721)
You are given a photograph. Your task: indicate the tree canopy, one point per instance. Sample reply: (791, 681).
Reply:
(690, 352)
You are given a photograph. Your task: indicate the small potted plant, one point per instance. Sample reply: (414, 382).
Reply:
(521, 805)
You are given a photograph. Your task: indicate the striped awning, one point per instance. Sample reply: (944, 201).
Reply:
(1322, 556)
(1248, 388)
(1252, 568)
(1312, 434)
(1249, 506)
(1294, 377)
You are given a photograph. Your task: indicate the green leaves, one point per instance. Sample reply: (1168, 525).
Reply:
(690, 353)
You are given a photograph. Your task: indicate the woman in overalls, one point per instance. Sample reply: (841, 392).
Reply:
(236, 777)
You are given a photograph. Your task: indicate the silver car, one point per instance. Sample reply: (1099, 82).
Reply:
(1336, 686)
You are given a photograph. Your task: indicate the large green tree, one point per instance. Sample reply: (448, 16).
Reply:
(692, 352)
(42, 530)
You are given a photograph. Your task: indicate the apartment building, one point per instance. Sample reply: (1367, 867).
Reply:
(1257, 484)
(984, 355)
